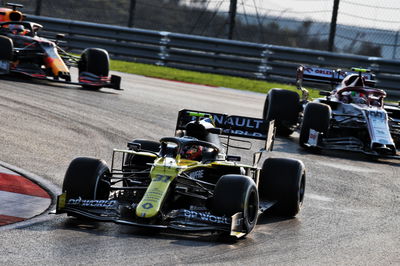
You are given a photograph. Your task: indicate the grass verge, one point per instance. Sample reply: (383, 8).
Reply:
(200, 78)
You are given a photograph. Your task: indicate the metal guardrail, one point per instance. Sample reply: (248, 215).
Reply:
(213, 55)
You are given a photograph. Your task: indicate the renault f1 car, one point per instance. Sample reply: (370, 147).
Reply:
(187, 182)
(23, 52)
(353, 116)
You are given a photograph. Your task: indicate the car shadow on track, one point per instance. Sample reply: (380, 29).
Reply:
(178, 238)
(290, 145)
(49, 83)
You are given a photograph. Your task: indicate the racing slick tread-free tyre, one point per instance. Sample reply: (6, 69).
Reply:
(237, 193)
(6, 48)
(283, 106)
(95, 61)
(316, 116)
(283, 180)
(87, 178)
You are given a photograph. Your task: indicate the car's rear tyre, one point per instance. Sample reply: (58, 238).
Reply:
(6, 48)
(87, 178)
(283, 180)
(135, 163)
(148, 145)
(283, 106)
(95, 61)
(237, 193)
(317, 117)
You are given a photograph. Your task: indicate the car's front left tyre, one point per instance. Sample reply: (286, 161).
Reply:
(317, 117)
(283, 106)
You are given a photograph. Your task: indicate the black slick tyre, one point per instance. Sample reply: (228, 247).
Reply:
(237, 193)
(95, 61)
(148, 145)
(6, 48)
(283, 106)
(133, 161)
(139, 162)
(317, 117)
(87, 178)
(283, 180)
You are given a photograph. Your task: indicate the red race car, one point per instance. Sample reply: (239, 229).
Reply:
(23, 52)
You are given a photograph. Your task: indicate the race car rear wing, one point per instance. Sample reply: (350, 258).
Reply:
(231, 125)
(330, 76)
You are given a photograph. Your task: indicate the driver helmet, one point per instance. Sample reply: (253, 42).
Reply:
(192, 152)
(16, 29)
(358, 97)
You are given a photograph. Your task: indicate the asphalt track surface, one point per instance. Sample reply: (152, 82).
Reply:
(351, 213)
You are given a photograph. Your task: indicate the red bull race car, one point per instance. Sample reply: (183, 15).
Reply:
(187, 182)
(23, 52)
(352, 116)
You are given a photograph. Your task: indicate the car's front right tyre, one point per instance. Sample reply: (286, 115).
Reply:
(237, 193)
(87, 178)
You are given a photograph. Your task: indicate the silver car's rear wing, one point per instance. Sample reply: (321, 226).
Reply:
(330, 76)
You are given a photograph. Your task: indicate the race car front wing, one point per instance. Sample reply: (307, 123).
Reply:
(180, 219)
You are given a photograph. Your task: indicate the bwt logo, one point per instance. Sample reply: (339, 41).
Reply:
(206, 217)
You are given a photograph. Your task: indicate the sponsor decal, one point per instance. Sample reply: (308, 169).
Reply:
(147, 206)
(323, 72)
(237, 121)
(243, 122)
(162, 178)
(379, 127)
(205, 217)
(243, 133)
(92, 203)
(197, 174)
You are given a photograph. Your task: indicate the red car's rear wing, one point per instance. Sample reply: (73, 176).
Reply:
(239, 126)
(330, 76)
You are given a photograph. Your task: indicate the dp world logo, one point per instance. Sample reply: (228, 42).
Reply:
(147, 206)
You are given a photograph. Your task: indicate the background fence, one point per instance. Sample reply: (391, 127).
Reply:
(365, 27)
(213, 55)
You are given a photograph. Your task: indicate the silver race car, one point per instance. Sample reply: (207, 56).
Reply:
(352, 116)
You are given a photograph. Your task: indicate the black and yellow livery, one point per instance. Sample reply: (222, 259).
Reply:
(187, 182)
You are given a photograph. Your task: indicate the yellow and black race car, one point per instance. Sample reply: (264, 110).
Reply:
(187, 182)
(23, 52)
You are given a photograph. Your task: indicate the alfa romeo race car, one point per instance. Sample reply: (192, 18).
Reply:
(353, 116)
(23, 52)
(187, 182)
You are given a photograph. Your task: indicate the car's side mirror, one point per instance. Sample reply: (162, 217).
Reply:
(60, 36)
